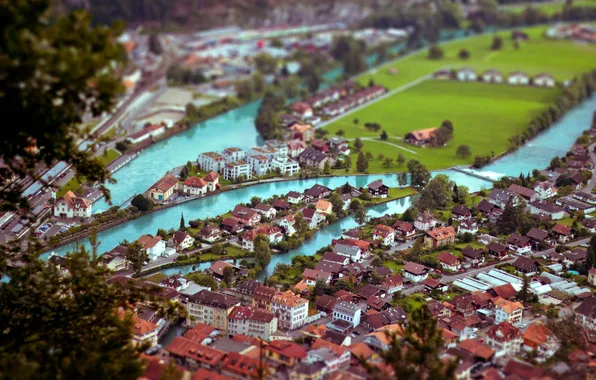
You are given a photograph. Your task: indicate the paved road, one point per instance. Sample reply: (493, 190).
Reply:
(575, 243)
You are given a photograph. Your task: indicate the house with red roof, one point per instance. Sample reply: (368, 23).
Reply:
(562, 233)
(393, 284)
(302, 110)
(384, 234)
(541, 340)
(181, 241)
(246, 215)
(194, 355)
(194, 186)
(71, 206)
(311, 276)
(154, 246)
(250, 321)
(440, 237)
(210, 233)
(505, 339)
(272, 233)
(212, 179)
(449, 261)
(415, 272)
(404, 230)
(285, 352)
(163, 189)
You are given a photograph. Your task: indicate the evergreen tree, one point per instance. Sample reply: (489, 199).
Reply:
(182, 223)
(591, 258)
(262, 251)
(510, 220)
(400, 160)
(524, 293)
(358, 144)
(361, 163)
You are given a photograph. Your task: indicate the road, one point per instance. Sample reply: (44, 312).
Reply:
(575, 243)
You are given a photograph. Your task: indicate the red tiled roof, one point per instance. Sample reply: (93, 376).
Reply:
(287, 348)
(199, 333)
(205, 374)
(165, 183)
(211, 177)
(321, 343)
(250, 313)
(382, 230)
(477, 349)
(562, 229)
(183, 347)
(195, 182)
(448, 258)
(442, 233)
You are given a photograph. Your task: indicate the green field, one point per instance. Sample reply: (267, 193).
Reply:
(562, 59)
(484, 117)
(550, 8)
(74, 184)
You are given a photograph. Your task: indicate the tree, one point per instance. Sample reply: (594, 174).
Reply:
(217, 249)
(262, 251)
(419, 174)
(464, 54)
(244, 89)
(300, 224)
(182, 223)
(510, 220)
(66, 326)
(402, 179)
(347, 163)
(591, 257)
(400, 160)
(435, 52)
(524, 293)
(361, 163)
(47, 71)
(414, 352)
(255, 201)
(387, 162)
(142, 203)
(137, 256)
(497, 43)
(228, 275)
(384, 136)
(380, 156)
(358, 144)
(339, 132)
(438, 193)
(155, 44)
(463, 151)
(369, 156)
(356, 121)
(265, 63)
(354, 62)
(337, 202)
(381, 54)
(516, 45)
(258, 82)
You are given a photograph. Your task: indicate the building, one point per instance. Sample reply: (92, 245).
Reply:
(266, 210)
(311, 276)
(384, 234)
(211, 162)
(547, 209)
(519, 244)
(295, 197)
(393, 284)
(154, 246)
(145, 133)
(247, 320)
(492, 76)
(468, 225)
(302, 110)
(449, 261)
(541, 340)
(404, 230)
(259, 164)
(304, 132)
(324, 207)
(500, 197)
(354, 253)
(212, 179)
(543, 80)
(440, 237)
(317, 192)
(194, 186)
(377, 189)
(459, 212)
(526, 266)
(518, 78)
(210, 234)
(234, 154)
(313, 217)
(585, 313)
(425, 221)
(285, 352)
(194, 355)
(348, 312)
(466, 75)
(415, 272)
(545, 190)
(236, 170)
(71, 206)
(505, 339)
(290, 309)
(144, 332)
(246, 215)
(272, 233)
(182, 240)
(562, 232)
(421, 136)
(210, 308)
(527, 194)
(115, 260)
(285, 165)
(311, 157)
(509, 311)
(474, 256)
(163, 189)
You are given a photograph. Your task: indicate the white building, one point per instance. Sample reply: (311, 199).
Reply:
(144, 332)
(71, 206)
(259, 164)
(286, 165)
(351, 251)
(518, 78)
(508, 311)
(505, 339)
(154, 246)
(545, 190)
(281, 147)
(466, 75)
(211, 161)
(181, 241)
(492, 76)
(415, 272)
(347, 311)
(291, 310)
(246, 320)
(194, 186)
(236, 169)
(234, 154)
(295, 197)
(543, 80)
(266, 151)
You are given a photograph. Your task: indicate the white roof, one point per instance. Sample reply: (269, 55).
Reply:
(492, 280)
(505, 276)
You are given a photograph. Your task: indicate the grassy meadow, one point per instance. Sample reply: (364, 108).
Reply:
(484, 117)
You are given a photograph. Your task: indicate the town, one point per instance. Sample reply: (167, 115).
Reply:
(298, 190)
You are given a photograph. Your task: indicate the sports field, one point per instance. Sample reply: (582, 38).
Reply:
(484, 117)
(562, 59)
(550, 8)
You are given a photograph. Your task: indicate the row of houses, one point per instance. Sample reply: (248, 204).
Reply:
(516, 78)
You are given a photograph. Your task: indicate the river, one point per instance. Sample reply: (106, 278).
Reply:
(222, 203)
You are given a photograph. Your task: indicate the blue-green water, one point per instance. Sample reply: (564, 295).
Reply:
(224, 202)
